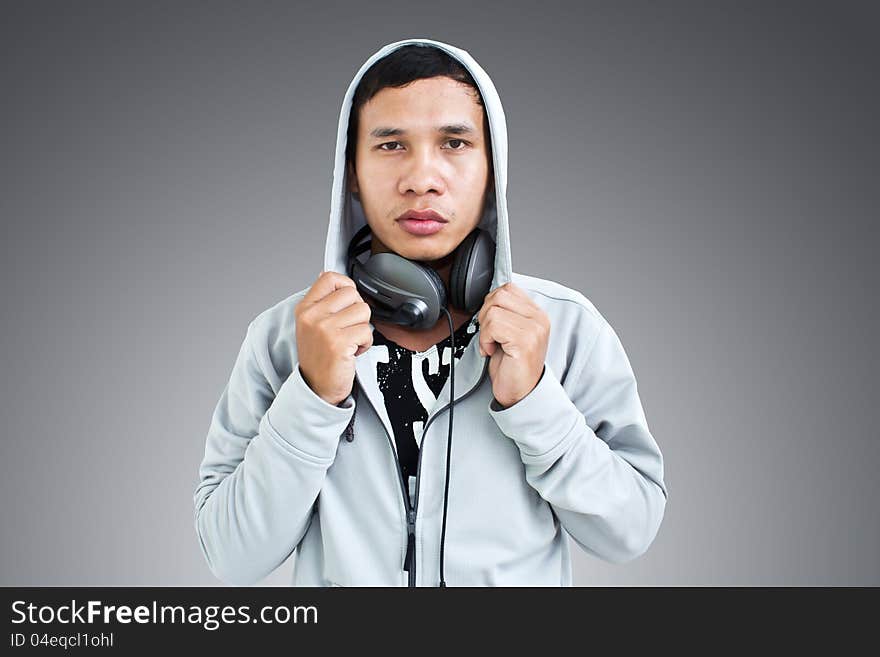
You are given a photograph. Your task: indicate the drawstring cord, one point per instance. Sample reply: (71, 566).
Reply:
(448, 443)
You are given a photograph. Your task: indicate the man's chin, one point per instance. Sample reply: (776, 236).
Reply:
(432, 260)
(432, 257)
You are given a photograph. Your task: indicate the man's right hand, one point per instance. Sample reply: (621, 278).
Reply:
(332, 329)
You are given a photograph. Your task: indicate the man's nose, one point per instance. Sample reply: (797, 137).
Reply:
(423, 174)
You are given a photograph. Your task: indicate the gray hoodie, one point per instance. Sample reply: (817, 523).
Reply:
(284, 470)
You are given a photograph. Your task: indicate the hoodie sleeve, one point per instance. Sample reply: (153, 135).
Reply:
(588, 451)
(266, 457)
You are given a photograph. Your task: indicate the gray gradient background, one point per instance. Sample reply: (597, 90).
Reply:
(706, 176)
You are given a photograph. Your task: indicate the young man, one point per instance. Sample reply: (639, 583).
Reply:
(331, 436)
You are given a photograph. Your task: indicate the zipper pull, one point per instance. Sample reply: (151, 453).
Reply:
(410, 540)
(410, 550)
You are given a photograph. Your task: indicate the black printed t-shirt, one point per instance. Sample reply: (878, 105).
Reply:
(410, 382)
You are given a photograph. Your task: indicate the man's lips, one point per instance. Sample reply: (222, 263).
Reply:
(421, 222)
(423, 215)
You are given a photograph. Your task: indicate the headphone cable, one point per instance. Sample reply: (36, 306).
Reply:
(448, 442)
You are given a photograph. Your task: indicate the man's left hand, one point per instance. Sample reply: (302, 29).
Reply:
(514, 332)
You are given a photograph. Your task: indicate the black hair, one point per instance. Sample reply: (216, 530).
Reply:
(398, 69)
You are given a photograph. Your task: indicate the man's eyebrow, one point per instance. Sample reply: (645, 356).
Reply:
(450, 129)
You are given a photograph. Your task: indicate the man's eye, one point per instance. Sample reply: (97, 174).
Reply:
(386, 143)
(460, 141)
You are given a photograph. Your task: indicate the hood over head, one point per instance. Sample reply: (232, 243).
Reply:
(347, 215)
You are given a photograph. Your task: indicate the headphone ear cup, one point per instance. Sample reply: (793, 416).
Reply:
(400, 290)
(437, 282)
(471, 274)
(458, 272)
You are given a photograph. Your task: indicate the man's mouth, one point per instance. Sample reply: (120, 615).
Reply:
(423, 215)
(422, 222)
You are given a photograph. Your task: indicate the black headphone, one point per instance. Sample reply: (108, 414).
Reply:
(411, 294)
(408, 293)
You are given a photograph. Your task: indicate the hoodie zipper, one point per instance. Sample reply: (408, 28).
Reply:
(424, 432)
(409, 561)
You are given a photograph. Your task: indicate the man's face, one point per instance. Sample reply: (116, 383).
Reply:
(422, 167)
